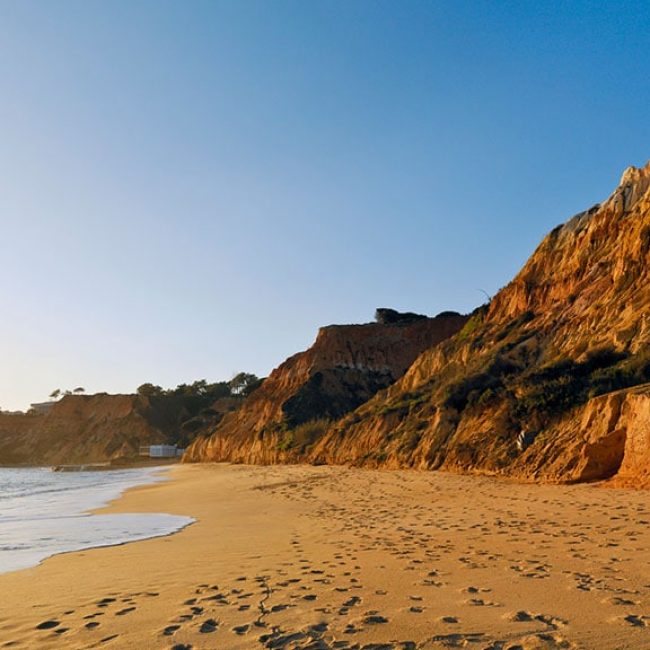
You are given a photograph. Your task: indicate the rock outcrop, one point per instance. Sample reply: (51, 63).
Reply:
(346, 366)
(607, 437)
(547, 382)
(550, 381)
(87, 429)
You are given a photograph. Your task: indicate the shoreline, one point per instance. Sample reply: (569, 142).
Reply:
(287, 556)
(50, 516)
(101, 466)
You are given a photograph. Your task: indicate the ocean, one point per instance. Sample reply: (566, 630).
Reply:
(43, 513)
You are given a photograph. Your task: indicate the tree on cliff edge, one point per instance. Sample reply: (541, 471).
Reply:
(244, 383)
(386, 316)
(149, 390)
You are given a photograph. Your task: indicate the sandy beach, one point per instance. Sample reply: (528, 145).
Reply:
(325, 557)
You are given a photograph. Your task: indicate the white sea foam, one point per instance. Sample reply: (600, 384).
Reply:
(43, 513)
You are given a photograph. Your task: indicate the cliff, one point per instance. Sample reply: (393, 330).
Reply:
(547, 382)
(87, 429)
(550, 381)
(345, 366)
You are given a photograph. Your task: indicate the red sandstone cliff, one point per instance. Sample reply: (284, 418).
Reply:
(84, 429)
(346, 366)
(548, 382)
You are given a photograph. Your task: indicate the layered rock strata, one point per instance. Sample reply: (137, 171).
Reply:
(548, 382)
(345, 366)
(560, 359)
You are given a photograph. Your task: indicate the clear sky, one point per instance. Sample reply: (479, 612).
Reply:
(189, 189)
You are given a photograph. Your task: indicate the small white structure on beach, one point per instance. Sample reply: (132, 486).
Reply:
(161, 451)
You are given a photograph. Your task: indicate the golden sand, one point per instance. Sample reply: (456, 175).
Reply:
(324, 557)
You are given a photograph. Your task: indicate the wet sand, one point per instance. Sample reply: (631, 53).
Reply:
(323, 557)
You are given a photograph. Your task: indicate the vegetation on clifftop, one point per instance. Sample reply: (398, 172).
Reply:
(189, 409)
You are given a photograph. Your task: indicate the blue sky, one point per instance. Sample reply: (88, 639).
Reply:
(189, 189)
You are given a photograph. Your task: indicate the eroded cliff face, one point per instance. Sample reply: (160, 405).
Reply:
(346, 366)
(85, 429)
(548, 382)
(544, 383)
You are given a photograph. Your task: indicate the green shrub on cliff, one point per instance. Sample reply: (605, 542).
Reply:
(187, 410)
(566, 383)
(633, 371)
(304, 435)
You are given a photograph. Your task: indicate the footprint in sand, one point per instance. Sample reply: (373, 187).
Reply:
(351, 628)
(479, 602)
(617, 600)
(476, 590)
(462, 640)
(47, 625)
(525, 617)
(637, 620)
(208, 626)
(373, 618)
(106, 639)
(541, 641)
(280, 608)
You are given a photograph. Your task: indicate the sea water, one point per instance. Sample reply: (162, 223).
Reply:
(43, 513)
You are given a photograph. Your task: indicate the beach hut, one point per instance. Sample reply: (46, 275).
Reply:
(162, 451)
